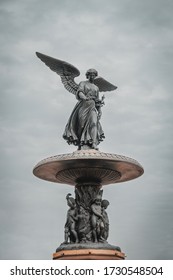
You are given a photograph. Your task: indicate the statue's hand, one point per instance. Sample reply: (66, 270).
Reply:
(82, 96)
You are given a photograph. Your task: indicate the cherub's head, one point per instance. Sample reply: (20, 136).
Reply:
(91, 74)
(70, 201)
(105, 203)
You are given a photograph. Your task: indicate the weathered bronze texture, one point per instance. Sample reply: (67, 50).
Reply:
(71, 233)
(84, 221)
(87, 219)
(86, 228)
(88, 166)
(83, 128)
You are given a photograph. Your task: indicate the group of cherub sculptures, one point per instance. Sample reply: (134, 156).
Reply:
(86, 223)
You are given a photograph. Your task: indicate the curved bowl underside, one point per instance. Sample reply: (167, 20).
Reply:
(88, 166)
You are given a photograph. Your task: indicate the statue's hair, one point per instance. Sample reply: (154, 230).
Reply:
(70, 199)
(91, 71)
(105, 202)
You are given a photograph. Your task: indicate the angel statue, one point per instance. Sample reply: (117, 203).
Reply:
(83, 128)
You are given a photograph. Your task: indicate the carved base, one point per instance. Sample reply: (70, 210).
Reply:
(87, 225)
(88, 246)
(88, 251)
(89, 254)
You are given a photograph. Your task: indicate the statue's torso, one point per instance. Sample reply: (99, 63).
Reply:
(89, 89)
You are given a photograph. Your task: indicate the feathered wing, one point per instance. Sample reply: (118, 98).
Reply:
(104, 85)
(65, 70)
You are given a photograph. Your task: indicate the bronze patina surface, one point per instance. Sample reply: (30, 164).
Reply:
(83, 128)
(86, 229)
(89, 166)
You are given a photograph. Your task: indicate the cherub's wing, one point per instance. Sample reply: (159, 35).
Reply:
(104, 85)
(65, 70)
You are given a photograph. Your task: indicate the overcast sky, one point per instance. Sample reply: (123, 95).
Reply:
(130, 43)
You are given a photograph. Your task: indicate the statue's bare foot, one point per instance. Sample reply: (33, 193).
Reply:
(65, 242)
(101, 239)
(94, 146)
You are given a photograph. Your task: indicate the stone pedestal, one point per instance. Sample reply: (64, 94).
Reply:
(88, 171)
(89, 254)
(88, 251)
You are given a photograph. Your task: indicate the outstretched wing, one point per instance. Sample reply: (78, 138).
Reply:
(104, 85)
(65, 70)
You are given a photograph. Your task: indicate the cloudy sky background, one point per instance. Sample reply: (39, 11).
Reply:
(130, 43)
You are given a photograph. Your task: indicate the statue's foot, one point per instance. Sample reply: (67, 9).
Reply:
(65, 242)
(94, 146)
(102, 240)
(83, 240)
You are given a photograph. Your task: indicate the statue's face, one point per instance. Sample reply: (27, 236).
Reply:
(91, 74)
(98, 201)
(71, 205)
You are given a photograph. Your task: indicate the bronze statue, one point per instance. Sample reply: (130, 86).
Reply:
(105, 233)
(97, 220)
(87, 223)
(70, 225)
(83, 224)
(83, 128)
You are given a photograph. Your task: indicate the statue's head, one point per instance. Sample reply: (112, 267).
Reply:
(92, 72)
(70, 201)
(105, 203)
(98, 199)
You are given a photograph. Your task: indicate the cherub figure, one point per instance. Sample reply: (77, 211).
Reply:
(70, 225)
(83, 220)
(104, 205)
(83, 128)
(97, 220)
